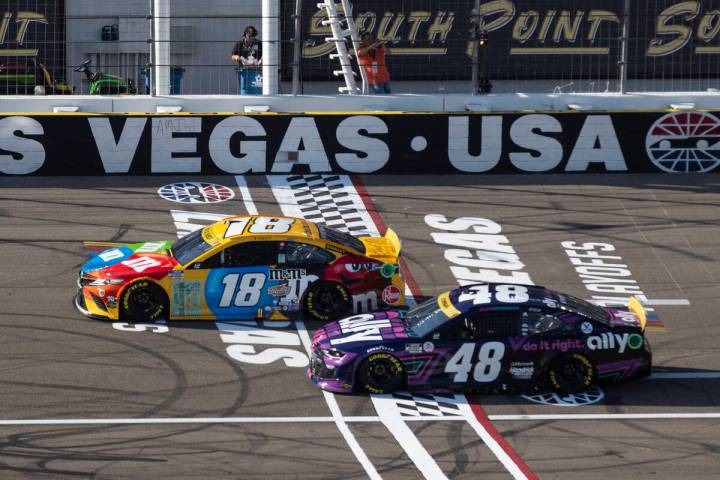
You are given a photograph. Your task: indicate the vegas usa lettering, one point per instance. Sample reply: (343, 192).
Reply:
(532, 146)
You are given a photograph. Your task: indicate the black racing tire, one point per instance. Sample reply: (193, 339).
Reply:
(381, 372)
(143, 301)
(327, 301)
(571, 373)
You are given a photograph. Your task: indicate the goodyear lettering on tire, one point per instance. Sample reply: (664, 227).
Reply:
(134, 288)
(587, 380)
(397, 368)
(312, 309)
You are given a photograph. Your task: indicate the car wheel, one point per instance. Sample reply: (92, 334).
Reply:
(143, 301)
(327, 301)
(381, 373)
(571, 374)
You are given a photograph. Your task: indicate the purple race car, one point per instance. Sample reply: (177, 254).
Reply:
(486, 337)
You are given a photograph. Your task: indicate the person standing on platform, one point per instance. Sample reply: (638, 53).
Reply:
(372, 58)
(247, 54)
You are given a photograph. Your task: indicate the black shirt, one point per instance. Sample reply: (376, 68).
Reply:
(245, 50)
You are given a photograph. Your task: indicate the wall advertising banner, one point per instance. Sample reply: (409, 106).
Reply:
(526, 39)
(673, 142)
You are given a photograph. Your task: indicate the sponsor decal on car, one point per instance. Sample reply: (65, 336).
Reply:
(362, 328)
(413, 348)
(586, 328)
(522, 370)
(611, 341)
(287, 274)
(428, 347)
(391, 294)
(279, 290)
(522, 343)
(380, 348)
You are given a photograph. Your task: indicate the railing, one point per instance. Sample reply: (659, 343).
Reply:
(436, 46)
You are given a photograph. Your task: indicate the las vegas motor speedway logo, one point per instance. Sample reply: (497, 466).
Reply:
(196, 192)
(684, 142)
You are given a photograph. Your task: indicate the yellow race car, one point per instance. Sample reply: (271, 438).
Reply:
(242, 268)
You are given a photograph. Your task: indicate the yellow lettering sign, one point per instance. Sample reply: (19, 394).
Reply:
(659, 47)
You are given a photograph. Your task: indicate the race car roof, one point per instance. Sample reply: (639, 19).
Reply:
(241, 226)
(492, 294)
(269, 225)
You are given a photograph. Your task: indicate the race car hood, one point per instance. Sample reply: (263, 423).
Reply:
(130, 260)
(361, 331)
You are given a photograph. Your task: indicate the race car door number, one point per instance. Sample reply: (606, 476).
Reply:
(488, 365)
(246, 294)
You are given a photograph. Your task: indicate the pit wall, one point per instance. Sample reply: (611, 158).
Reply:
(469, 138)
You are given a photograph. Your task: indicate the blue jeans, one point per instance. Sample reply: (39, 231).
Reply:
(250, 81)
(380, 88)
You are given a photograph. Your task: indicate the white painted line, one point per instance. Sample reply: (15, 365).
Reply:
(667, 301)
(337, 416)
(390, 417)
(352, 419)
(605, 416)
(245, 194)
(166, 421)
(682, 375)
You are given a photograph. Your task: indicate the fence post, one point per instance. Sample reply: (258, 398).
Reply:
(297, 51)
(270, 45)
(624, 34)
(151, 54)
(161, 65)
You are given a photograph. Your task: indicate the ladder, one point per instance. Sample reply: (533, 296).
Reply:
(340, 33)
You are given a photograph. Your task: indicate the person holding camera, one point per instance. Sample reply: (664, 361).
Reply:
(372, 58)
(247, 54)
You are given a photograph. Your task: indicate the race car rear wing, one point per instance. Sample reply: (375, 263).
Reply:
(636, 307)
(386, 248)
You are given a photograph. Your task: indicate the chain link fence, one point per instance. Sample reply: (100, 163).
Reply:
(436, 46)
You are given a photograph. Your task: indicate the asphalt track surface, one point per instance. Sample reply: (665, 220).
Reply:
(81, 398)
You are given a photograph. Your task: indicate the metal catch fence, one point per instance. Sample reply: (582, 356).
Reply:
(432, 46)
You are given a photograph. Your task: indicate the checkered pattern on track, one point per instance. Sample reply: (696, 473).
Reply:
(329, 200)
(420, 405)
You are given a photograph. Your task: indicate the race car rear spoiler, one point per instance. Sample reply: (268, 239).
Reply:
(386, 248)
(636, 307)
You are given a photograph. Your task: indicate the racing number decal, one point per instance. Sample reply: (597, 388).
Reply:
(247, 294)
(488, 363)
(480, 294)
(260, 225)
(271, 225)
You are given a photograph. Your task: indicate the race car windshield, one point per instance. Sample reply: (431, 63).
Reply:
(426, 317)
(189, 247)
(342, 238)
(584, 308)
